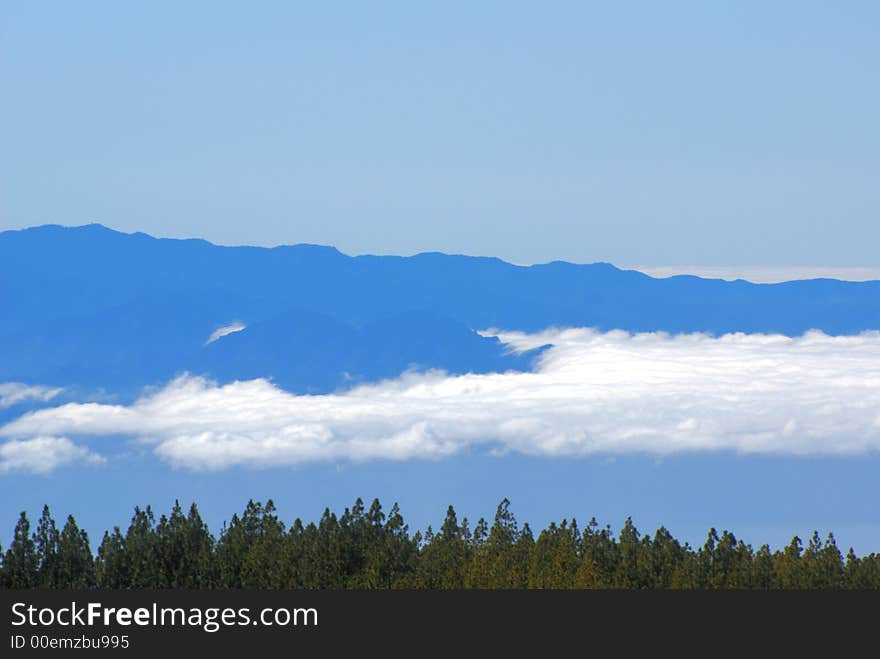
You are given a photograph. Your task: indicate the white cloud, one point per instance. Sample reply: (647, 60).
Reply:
(41, 455)
(592, 393)
(763, 274)
(220, 332)
(12, 393)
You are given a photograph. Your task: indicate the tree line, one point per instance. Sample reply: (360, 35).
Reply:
(365, 548)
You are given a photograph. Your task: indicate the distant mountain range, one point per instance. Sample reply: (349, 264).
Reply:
(95, 308)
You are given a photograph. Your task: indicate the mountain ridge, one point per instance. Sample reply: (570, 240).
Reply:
(96, 307)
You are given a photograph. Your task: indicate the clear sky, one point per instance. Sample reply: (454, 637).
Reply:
(710, 133)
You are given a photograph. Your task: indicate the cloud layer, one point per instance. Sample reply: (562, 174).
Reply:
(41, 455)
(763, 274)
(591, 393)
(12, 393)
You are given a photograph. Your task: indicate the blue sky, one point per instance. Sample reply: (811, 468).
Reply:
(718, 134)
(761, 499)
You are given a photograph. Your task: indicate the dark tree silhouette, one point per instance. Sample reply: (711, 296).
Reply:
(365, 548)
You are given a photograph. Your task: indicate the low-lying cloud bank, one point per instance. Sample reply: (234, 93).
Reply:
(763, 274)
(591, 393)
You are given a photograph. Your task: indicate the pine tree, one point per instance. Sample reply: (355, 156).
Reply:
(787, 566)
(691, 573)
(46, 546)
(21, 563)
(184, 547)
(829, 566)
(852, 572)
(141, 551)
(324, 554)
(628, 568)
(723, 562)
(665, 558)
(111, 565)
(444, 561)
(235, 542)
(373, 572)
(293, 551)
(495, 557)
(598, 554)
(476, 573)
(76, 564)
(522, 555)
(400, 550)
(262, 565)
(762, 568)
(742, 572)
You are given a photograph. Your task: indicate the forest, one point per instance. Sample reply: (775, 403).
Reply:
(367, 548)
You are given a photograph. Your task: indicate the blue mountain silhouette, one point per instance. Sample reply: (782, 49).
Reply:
(92, 307)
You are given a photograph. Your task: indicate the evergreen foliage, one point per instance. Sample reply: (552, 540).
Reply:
(365, 548)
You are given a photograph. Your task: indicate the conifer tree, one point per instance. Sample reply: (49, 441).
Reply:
(324, 554)
(628, 568)
(522, 552)
(262, 565)
(829, 566)
(787, 567)
(401, 551)
(111, 565)
(762, 568)
(495, 556)
(76, 564)
(46, 547)
(665, 559)
(21, 563)
(141, 553)
(598, 557)
(184, 547)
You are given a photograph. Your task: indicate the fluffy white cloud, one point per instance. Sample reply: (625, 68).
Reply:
(16, 392)
(40, 455)
(591, 393)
